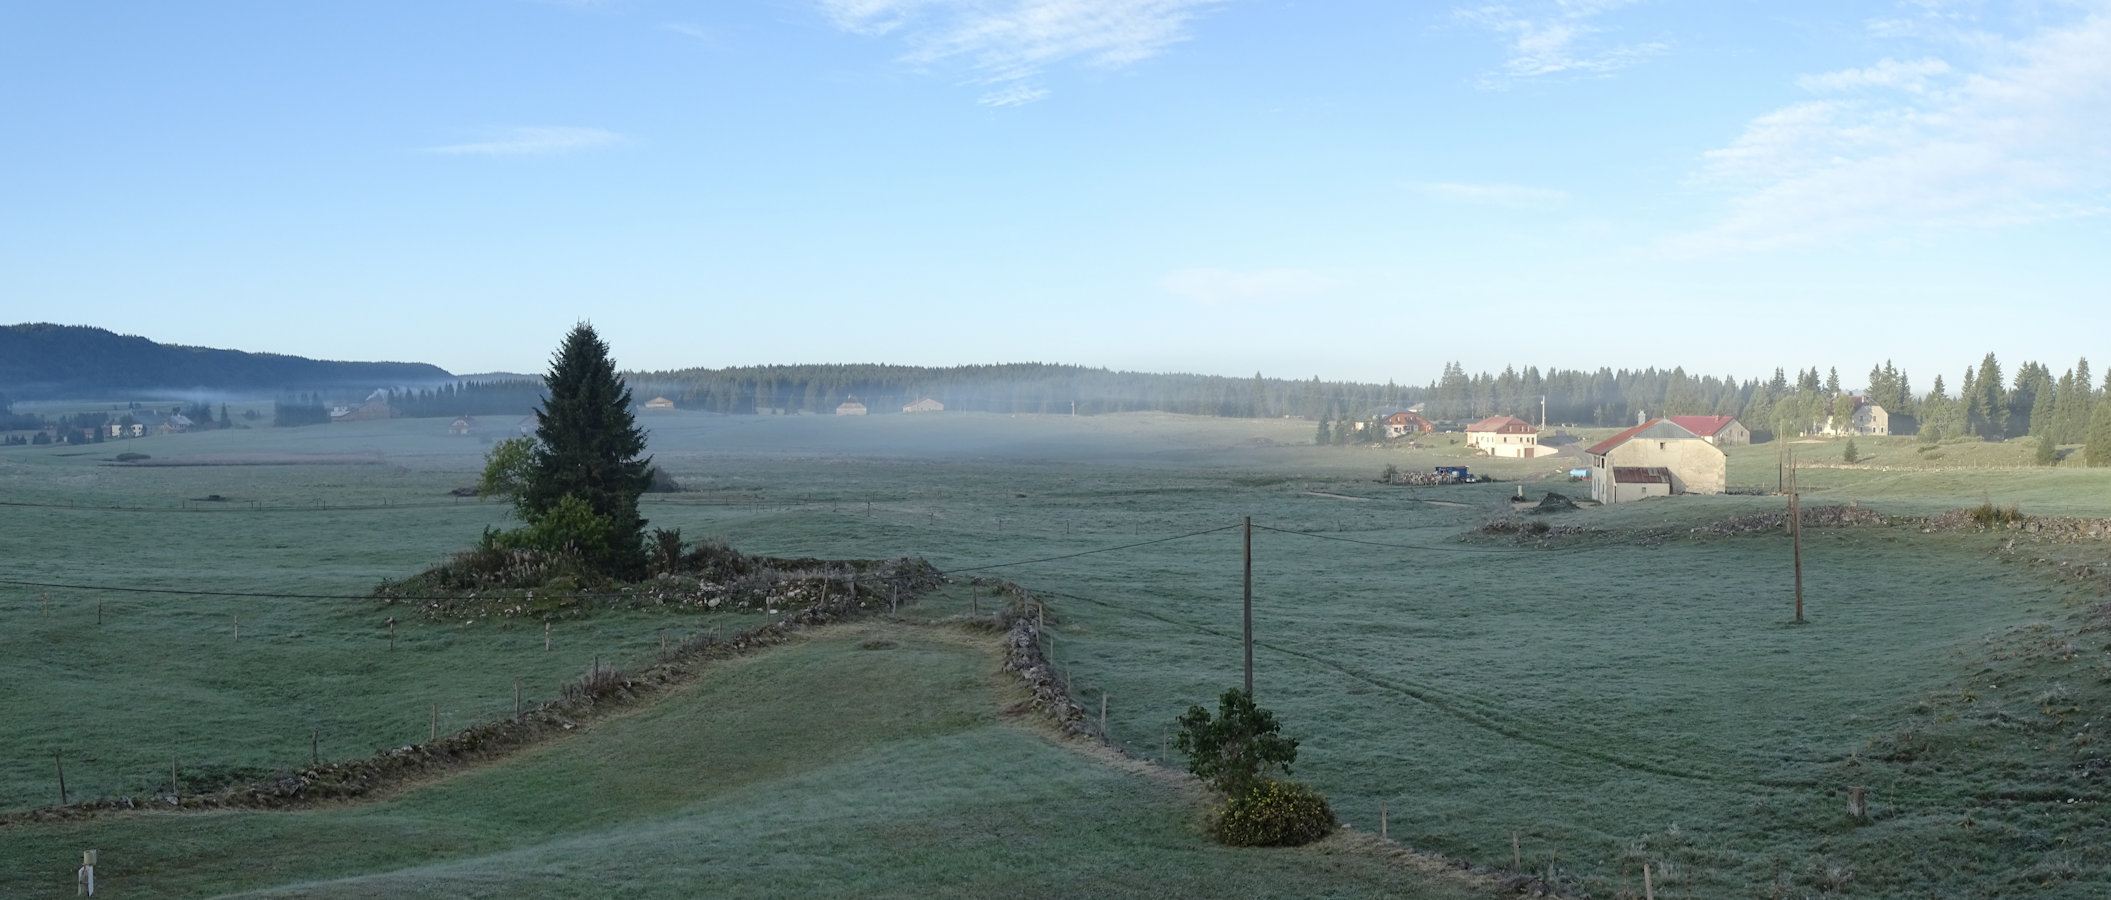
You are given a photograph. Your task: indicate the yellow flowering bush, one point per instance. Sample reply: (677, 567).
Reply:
(1273, 814)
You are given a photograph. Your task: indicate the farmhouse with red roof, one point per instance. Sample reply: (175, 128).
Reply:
(1722, 431)
(1504, 436)
(1655, 459)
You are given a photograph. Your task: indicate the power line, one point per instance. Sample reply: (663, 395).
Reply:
(1024, 562)
(1348, 540)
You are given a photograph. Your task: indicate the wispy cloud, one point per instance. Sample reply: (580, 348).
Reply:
(2021, 134)
(535, 141)
(1224, 287)
(1009, 44)
(1887, 73)
(1556, 38)
(1511, 195)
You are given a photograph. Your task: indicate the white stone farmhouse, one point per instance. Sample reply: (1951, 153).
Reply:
(1655, 459)
(1504, 436)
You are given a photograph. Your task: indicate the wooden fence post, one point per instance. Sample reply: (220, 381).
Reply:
(1649, 891)
(175, 785)
(1517, 857)
(546, 636)
(435, 722)
(1381, 820)
(56, 761)
(516, 699)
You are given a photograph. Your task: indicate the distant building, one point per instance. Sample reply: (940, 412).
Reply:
(1400, 422)
(1867, 418)
(1722, 431)
(1504, 436)
(461, 426)
(851, 408)
(1655, 459)
(528, 424)
(925, 405)
(147, 421)
(659, 403)
(375, 407)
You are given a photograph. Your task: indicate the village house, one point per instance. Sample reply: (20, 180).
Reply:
(1866, 419)
(659, 403)
(1504, 436)
(1657, 458)
(143, 422)
(1400, 422)
(851, 408)
(1722, 431)
(925, 405)
(375, 407)
(462, 426)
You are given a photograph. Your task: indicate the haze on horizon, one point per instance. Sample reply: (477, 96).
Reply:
(1355, 190)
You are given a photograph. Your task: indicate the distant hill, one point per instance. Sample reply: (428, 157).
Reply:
(48, 361)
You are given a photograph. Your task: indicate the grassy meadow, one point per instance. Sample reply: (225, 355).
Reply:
(1634, 696)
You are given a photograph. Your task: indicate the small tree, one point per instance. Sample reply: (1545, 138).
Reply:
(2047, 454)
(1324, 435)
(1232, 749)
(507, 468)
(1851, 454)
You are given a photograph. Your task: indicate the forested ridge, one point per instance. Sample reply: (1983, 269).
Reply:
(42, 360)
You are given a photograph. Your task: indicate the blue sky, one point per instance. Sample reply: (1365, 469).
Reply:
(1356, 190)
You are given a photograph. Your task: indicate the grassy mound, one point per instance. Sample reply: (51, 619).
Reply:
(493, 581)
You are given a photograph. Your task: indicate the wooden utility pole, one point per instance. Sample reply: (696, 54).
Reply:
(1795, 530)
(1249, 607)
(1780, 463)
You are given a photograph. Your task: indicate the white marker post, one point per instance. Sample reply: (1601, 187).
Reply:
(85, 879)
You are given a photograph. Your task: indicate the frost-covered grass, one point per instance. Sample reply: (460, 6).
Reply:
(1634, 701)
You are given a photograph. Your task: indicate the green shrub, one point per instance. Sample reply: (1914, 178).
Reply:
(1987, 514)
(1234, 749)
(1273, 814)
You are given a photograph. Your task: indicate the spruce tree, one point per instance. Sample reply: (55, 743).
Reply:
(589, 448)
(2096, 451)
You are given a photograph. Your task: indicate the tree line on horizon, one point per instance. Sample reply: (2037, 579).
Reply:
(1985, 402)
